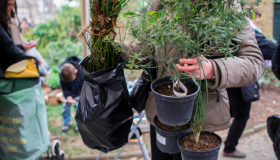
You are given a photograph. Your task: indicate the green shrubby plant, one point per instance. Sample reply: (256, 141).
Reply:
(58, 40)
(62, 29)
(104, 16)
(53, 80)
(196, 28)
(58, 51)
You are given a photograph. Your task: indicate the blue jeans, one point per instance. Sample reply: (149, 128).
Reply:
(66, 114)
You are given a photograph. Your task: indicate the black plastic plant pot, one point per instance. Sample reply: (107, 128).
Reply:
(199, 155)
(167, 141)
(174, 110)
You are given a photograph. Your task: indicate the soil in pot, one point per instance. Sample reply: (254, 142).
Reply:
(174, 128)
(167, 89)
(206, 142)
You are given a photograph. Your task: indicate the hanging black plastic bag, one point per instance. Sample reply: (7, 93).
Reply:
(139, 93)
(104, 114)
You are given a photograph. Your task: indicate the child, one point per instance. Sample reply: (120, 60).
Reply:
(71, 82)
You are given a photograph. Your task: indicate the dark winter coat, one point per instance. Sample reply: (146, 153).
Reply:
(276, 62)
(73, 88)
(9, 52)
(267, 47)
(250, 92)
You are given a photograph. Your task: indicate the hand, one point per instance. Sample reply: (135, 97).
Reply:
(70, 100)
(27, 46)
(192, 68)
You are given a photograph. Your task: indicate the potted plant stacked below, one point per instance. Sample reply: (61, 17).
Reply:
(173, 112)
(167, 136)
(207, 148)
(104, 114)
(186, 29)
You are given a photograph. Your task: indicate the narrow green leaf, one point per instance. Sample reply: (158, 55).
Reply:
(151, 13)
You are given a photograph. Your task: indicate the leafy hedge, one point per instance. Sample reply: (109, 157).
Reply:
(58, 39)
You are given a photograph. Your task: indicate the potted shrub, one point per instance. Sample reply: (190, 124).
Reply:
(104, 114)
(195, 29)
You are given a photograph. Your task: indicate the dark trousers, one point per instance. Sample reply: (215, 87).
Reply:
(240, 110)
(156, 153)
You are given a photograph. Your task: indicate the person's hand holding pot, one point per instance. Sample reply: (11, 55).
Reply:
(192, 68)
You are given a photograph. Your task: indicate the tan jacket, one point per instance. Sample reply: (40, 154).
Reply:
(15, 33)
(247, 67)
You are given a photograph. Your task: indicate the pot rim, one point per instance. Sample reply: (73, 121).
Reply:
(195, 93)
(180, 137)
(172, 133)
(223, 55)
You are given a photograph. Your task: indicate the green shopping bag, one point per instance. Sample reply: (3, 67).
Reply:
(23, 120)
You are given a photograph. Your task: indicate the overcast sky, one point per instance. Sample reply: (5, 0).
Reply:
(60, 3)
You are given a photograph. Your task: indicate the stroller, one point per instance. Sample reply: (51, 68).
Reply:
(23, 121)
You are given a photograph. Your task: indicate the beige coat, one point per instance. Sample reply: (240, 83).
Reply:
(247, 67)
(15, 33)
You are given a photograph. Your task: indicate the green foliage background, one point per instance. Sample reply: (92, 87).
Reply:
(58, 39)
(58, 36)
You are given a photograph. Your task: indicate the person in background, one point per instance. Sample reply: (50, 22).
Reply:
(7, 17)
(9, 52)
(239, 108)
(276, 62)
(267, 47)
(71, 82)
(24, 26)
(14, 31)
(273, 122)
(220, 75)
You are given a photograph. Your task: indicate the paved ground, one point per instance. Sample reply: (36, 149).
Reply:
(257, 146)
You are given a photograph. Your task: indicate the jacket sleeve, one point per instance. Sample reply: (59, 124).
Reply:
(7, 46)
(267, 47)
(20, 47)
(246, 68)
(276, 62)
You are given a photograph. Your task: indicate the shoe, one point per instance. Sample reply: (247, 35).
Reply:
(65, 128)
(235, 154)
(76, 129)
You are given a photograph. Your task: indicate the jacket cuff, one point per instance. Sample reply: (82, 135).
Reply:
(20, 46)
(218, 69)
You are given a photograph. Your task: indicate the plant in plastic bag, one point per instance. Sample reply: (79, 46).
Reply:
(104, 113)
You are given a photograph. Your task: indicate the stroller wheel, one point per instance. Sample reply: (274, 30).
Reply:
(55, 147)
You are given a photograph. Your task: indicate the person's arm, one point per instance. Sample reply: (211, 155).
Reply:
(267, 47)
(7, 45)
(246, 68)
(20, 46)
(276, 62)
